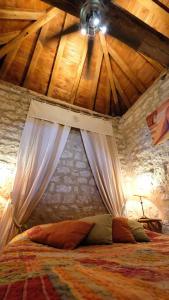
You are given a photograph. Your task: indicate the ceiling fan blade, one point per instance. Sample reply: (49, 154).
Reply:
(137, 34)
(71, 29)
(89, 54)
(70, 6)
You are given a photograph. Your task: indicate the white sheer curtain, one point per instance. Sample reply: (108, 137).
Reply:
(104, 162)
(41, 146)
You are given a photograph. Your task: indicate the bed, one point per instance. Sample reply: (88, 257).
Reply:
(29, 270)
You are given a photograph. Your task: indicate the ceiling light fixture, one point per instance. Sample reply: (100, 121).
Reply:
(83, 31)
(92, 18)
(103, 29)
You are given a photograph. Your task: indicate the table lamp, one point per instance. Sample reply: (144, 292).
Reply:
(142, 207)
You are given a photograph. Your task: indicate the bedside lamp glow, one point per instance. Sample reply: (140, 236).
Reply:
(6, 181)
(143, 184)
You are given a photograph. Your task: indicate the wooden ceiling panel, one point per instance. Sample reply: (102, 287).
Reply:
(102, 102)
(16, 63)
(40, 68)
(126, 85)
(149, 12)
(148, 73)
(12, 25)
(30, 4)
(87, 89)
(136, 62)
(68, 58)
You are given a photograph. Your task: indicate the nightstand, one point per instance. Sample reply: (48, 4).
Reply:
(151, 224)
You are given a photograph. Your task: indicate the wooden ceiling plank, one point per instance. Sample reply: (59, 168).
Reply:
(55, 67)
(109, 69)
(8, 62)
(126, 70)
(28, 30)
(163, 6)
(56, 63)
(159, 68)
(79, 73)
(154, 9)
(95, 78)
(36, 55)
(121, 92)
(137, 34)
(20, 14)
(103, 101)
(38, 74)
(8, 36)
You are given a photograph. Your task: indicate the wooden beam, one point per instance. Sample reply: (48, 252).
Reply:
(126, 70)
(109, 70)
(35, 57)
(10, 57)
(56, 66)
(70, 6)
(8, 36)
(155, 10)
(95, 78)
(38, 74)
(137, 34)
(163, 6)
(112, 76)
(120, 91)
(79, 73)
(159, 68)
(103, 101)
(68, 64)
(27, 31)
(20, 14)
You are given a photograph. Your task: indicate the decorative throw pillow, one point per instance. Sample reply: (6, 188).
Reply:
(138, 231)
(63, 235)
(101, 232)
(121, 232)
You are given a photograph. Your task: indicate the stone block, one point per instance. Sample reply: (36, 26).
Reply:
(67, 154)
(82, 180)
(86, 174)
(63, 170)
(63, 189)
(80, 165)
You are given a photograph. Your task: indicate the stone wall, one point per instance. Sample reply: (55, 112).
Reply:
(13, 111)
(72, 191)
(139, 157)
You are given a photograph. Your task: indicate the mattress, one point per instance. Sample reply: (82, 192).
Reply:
(31, 271)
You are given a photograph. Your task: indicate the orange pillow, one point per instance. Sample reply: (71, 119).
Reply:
(63, 235)
(121, 232)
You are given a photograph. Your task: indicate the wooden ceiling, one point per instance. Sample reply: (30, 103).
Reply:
(33, 58)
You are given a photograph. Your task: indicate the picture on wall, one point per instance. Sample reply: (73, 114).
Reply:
(158, 123)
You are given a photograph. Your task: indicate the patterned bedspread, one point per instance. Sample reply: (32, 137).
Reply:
(30, 271)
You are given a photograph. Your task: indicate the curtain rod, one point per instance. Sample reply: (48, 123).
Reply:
(39, 97)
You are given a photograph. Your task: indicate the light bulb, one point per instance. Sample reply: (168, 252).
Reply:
(83, 31)
(96, 21)
(103, 29)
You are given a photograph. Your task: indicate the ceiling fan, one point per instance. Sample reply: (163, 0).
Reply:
(92, 15)
(106, 16)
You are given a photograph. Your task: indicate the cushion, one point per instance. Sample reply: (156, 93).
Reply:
(138, 231)
(121, 232)
(101, 232)
(63, 235)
